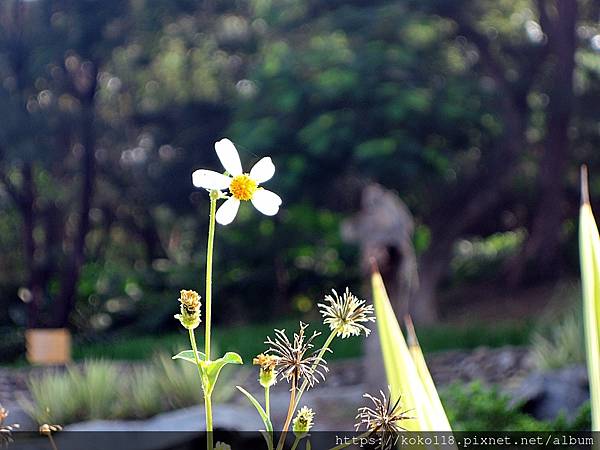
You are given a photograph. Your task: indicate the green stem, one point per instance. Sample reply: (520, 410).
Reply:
(314, 366)
(268, 402)
(209, 264)
(209, 425)
(195, 350)
(208, 314)
(296, 442)
(268, 411)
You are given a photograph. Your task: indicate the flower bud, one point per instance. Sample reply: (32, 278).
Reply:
(190, 309)
(268, 375)
(303, 422)
(222, 446)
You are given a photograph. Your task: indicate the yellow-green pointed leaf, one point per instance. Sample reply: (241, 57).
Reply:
(261, 412)
(212, 369)
(401, 370)
(589, 250)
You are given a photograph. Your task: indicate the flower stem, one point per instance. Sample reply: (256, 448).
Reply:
(268, 401)
(52, 442)
(209, 264)
(195, 350)
(208, 303)
(290, 413)
(314, 366)
(296, 442)
(209, 425)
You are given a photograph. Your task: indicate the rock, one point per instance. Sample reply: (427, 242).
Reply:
(225, 416)
(545, 395)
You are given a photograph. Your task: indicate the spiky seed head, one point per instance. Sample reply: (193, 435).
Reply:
(346, 314)
(384, 417)
(296, 358)
(303, 422)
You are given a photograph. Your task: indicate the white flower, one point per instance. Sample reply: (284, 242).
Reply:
(242, 186)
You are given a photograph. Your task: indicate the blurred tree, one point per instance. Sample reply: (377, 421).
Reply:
(51, 56)
(474, 112)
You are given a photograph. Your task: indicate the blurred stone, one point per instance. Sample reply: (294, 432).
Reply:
(545, 395)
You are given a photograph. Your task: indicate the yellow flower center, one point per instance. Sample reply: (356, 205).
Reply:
(243, 187)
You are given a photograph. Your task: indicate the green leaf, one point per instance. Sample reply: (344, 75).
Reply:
(403, 374)
(263, 415)
(589, 251)
(188, 355)
(212, 369)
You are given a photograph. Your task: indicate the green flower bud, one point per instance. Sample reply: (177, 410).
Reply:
(222, 446)
(190, 309)
(268, 375)
(303, 422)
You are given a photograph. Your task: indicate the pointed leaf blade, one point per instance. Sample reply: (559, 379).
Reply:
(188, 355)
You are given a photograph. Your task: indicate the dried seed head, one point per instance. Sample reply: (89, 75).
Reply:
(303, 422)
(383, 418)
(189, 309)
(346, 314)
(3, 415)
(294, 360)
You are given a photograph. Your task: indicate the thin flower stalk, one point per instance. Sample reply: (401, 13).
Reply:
(294, 365)
(320, 355)
(268, 401)
(208, 313)
(345, 316)
(209, 268)
(47, 430)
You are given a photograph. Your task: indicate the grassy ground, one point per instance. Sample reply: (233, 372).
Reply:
(248, 340)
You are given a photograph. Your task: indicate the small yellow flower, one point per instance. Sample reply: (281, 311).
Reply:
(303, 422)
(266, 362)
(268, 374)
(189, 309)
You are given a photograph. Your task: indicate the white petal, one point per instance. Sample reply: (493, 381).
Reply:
(227, 211)
(209, 179)
(266, 202)
(229, 156)
(263, 170)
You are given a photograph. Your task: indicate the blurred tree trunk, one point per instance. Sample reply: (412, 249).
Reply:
(85, 82)
(541, 254)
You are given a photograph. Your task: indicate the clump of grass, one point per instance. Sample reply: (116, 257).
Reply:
(178, 382)
(144, 389)
(561, 345)
(101, 389)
